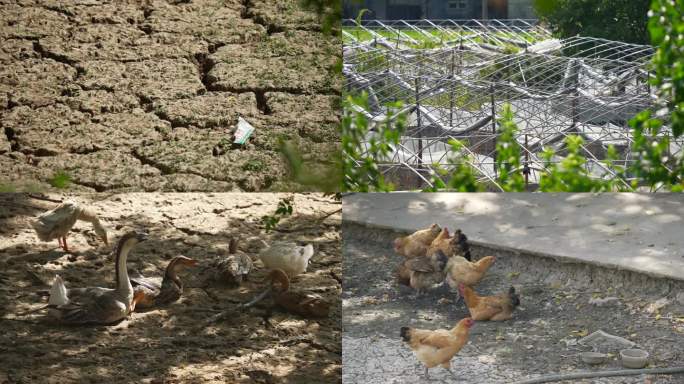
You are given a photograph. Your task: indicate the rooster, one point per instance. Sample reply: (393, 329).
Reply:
(494, 308)
(457, 245)
(438, 347)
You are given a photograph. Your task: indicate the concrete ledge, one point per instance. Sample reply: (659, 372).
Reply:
(641, 233)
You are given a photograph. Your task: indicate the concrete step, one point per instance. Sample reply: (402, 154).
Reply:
(618, 232)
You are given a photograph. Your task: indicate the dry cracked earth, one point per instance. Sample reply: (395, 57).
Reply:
(541, 339)
(144, 95)
(178, 343)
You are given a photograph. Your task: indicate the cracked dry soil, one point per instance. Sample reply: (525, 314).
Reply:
(175, 344)
(541, 338)
(135, 95)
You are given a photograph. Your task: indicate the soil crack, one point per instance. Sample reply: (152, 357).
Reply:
(44, 53)
(11, 138)
(204, 65)
(164, 169)
(262, 103)
(248, 14)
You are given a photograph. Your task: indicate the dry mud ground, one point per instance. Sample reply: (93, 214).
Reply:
(133, 95)
(540, 339)
(175, 344)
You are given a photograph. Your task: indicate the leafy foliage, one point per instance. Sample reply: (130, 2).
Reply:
(360, 169)
(571, 174)
(461, 179)
(654, 164)
(61, 180)
(611, 19)
(330, 12)
(508, 167)
(284, 209)
(318, 176)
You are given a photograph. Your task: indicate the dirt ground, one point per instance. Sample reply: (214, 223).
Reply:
(145, 95)
(541, 339)
(176, 344)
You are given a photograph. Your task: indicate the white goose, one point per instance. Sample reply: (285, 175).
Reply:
(57, 223)
(288, 256)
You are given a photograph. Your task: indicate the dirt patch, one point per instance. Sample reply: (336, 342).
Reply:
(156, 67)
(175, 344)
(540, 339)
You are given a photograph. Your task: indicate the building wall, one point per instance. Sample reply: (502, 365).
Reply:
(434, 9)
(455, 9)
(521, 9)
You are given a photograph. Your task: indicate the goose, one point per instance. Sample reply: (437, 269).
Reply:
(97, 305)
(287, 256)
(56, 223)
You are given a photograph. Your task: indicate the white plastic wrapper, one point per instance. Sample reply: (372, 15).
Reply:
(243, 132)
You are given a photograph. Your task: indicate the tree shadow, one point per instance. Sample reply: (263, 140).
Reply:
(628, 231)
(176, 342)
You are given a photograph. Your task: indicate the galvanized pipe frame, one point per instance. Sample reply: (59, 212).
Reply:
(595, 64)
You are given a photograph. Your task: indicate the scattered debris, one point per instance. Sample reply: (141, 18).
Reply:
(604, 302)
(605, 341)
(657, 305)
(243, 132)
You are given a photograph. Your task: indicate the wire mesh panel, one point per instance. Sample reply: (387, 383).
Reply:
(454, 77)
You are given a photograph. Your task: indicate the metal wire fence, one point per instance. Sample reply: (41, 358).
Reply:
(455, 76)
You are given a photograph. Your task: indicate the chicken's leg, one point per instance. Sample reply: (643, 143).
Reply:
(426, 373)
(65, 244)
(447, 366)
(59, 241)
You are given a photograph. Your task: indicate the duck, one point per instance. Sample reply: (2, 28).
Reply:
(56, 223)
(234, 268)
(154, 292)
(287, 256)
(297, 302)
(97, 305)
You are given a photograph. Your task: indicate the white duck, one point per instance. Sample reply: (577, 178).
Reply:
(97, 305)
(288, 256)
(58, 222)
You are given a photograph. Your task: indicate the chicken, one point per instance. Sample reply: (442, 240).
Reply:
(438, 347)
(460, 270)
(457, 245)
(422, 273)
(288, 256)
(417, 243)
(494, 308)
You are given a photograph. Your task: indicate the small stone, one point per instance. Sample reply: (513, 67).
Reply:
(604, 302)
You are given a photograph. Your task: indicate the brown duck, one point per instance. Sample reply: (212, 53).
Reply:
(301, 303)
(170, 289)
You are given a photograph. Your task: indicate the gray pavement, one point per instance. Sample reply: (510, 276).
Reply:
(638, 232)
